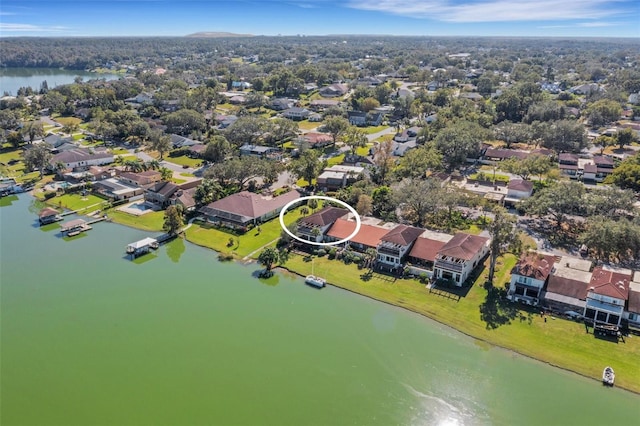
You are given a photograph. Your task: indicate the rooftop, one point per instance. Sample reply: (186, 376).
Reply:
(463, 246)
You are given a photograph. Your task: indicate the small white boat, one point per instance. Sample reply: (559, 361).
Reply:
(315, 281)
(608, 376)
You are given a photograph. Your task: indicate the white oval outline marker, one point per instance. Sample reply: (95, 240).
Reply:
(320, 197)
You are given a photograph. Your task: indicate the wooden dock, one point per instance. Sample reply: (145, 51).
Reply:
(77, 226)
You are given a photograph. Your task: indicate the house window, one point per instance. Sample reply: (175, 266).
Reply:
(457, 278)
(602, 316)
(614, 319)
(590, 314)
(519, 291)
(632, 317)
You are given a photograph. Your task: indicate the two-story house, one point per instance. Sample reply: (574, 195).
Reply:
(459, 257)
(632, 310)
(529, 277)
(339, 176)
(296, 113)
(568, 164)
(368, 236)
(395, 245)
(314, 227)
(607, 295)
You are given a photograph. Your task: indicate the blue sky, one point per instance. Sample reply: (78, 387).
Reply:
(585, 18)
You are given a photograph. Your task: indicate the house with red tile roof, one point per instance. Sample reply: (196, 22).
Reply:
(459, 257)
(244, 208)
(424, 252)
(395, 245)
(529, 277)
(317, 140)
(368, 236)
(314, 227)
(607, 295)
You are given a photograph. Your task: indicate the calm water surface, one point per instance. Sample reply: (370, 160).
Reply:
(178, 338)
(11, 79)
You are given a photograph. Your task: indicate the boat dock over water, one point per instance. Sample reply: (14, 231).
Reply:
(141, 247)
(145, 245)
(77, 226)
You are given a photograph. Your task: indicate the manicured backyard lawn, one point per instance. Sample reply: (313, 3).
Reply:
(183, 160)
(374, 129)
(151, 221)
(308, 125)
(484, 315)
(76, 202)
(217, 239)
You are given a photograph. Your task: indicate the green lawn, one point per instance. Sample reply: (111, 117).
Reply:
(76, 202)
(217, 239)
(151, 221)
(178, 181)
(335, 160)
(308, 125)
(374, 129)
(119, 151)
(11, 163)
(559, 342)
(65, 121)
(488, 175)
(183, 160)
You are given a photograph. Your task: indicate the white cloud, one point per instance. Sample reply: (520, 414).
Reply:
(494, 10)
(10, 27)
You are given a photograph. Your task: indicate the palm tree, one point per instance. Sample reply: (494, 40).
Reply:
(153, 164)
(370, 257)
(166, 174)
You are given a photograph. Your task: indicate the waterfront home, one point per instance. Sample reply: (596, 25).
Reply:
(567, 286)
(245, 208)
(632, 310)
(529, 277)
(607, 295)
(424, 252)
(81, 159)
(457, 259)
(395, 245)
(368, 236)
(315, 226)
(339, 176)
(48, 215)
(160, 193)
(117, 189)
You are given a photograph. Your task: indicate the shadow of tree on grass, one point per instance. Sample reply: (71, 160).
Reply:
(496, 309)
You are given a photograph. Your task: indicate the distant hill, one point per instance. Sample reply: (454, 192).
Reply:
(216, 34)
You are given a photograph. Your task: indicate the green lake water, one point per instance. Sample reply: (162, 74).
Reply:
(12, 79)
(177, 338)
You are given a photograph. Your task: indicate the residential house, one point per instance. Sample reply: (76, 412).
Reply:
(197, 150)
(425, 250)
(361, 118)
(296, 113)
(567, 286)
(368, 236)
(117, 189)
(316, 140)
(499, 154)
(314, 227)
(237, 100)
(96, 173)
(55, 141)
(457, 259)
(568, 164)
(178, 141)
(529, 277)
(281, 104)
(185, 198)
(395, 245)
(260, 151)
(518, 189)
(632, 311)
(225, 121)
(322, 104)
(240, 85)
(170, 105)
(160, 193)
(607, 295)
(339, 176)
(334, 90)
(586, 89)
(142, 179)
(144, 98)
(604, 166)
(245, 208)
(81, 159)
